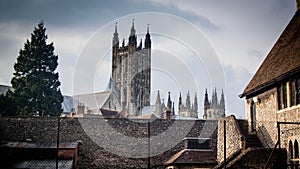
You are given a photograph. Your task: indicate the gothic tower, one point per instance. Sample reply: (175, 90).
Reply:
(188, 109)
(131, 71)
(214, 110)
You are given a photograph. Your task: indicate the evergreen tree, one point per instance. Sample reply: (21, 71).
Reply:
(35, 82)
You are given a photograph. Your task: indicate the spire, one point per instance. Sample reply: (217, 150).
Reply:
(158, 107)
(173, 110)
(147, 39)
(169, 103)
(132, 31)
(179, 102)
(132, 37)
(116, 36)
(195, 105)
(116, 27)
(147, 28)
(214, 100)
(180, 99)
(222, 101)
(158, 99)
(188, 101)
(163, 105)
(206, 101)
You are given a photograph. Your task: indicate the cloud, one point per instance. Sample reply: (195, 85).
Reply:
(236, 80)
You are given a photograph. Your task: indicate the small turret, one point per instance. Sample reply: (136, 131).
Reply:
(179, 102)
(195, 109)
(132, 37)
(158, 107)
(222, 104)
(188, 102)
(147, 39)
(206, 105)
(116, 37)
(169, 103)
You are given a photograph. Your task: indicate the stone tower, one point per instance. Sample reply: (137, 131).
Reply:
(214, 109)
(188, 110)
(131, 71)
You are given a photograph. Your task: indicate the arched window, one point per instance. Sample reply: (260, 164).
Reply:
(291, 153)
(296, 149)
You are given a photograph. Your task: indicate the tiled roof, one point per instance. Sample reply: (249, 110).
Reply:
(283, 60)
(190, 156)
(46, 164)
(64, 145)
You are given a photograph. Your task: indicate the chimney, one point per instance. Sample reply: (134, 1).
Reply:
(80, 108)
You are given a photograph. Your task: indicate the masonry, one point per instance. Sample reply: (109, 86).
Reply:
(92, 154)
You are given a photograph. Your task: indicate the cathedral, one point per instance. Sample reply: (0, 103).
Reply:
(131, 71)
(129, 87)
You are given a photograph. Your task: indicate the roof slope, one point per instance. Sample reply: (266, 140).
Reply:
(283, 59)
(188, 156)
(93, 100)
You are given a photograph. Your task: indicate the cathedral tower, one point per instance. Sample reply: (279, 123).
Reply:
(131, 71)
(214, 110)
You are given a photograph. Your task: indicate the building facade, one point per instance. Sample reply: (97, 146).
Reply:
(131, 71)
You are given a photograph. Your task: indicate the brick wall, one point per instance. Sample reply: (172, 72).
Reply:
(93, 153)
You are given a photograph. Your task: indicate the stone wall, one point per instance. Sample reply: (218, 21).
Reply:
(267, 116)
(266, 108)
(234, 138)
(111, 143)
(256, 158)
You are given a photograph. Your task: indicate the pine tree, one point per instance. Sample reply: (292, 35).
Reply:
(35, 82)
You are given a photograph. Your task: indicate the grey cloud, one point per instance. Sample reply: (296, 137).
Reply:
(236, 80)
(256, 53)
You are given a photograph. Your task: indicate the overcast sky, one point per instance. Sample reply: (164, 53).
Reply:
(197, 44)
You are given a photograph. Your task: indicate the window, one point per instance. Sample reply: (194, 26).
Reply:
(279, 98)
(291, 153)
(296, 149)
(292, 87)
(284, 95)
(288, 93)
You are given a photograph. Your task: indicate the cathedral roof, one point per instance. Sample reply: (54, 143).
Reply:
(282, 61)
(93, 101)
